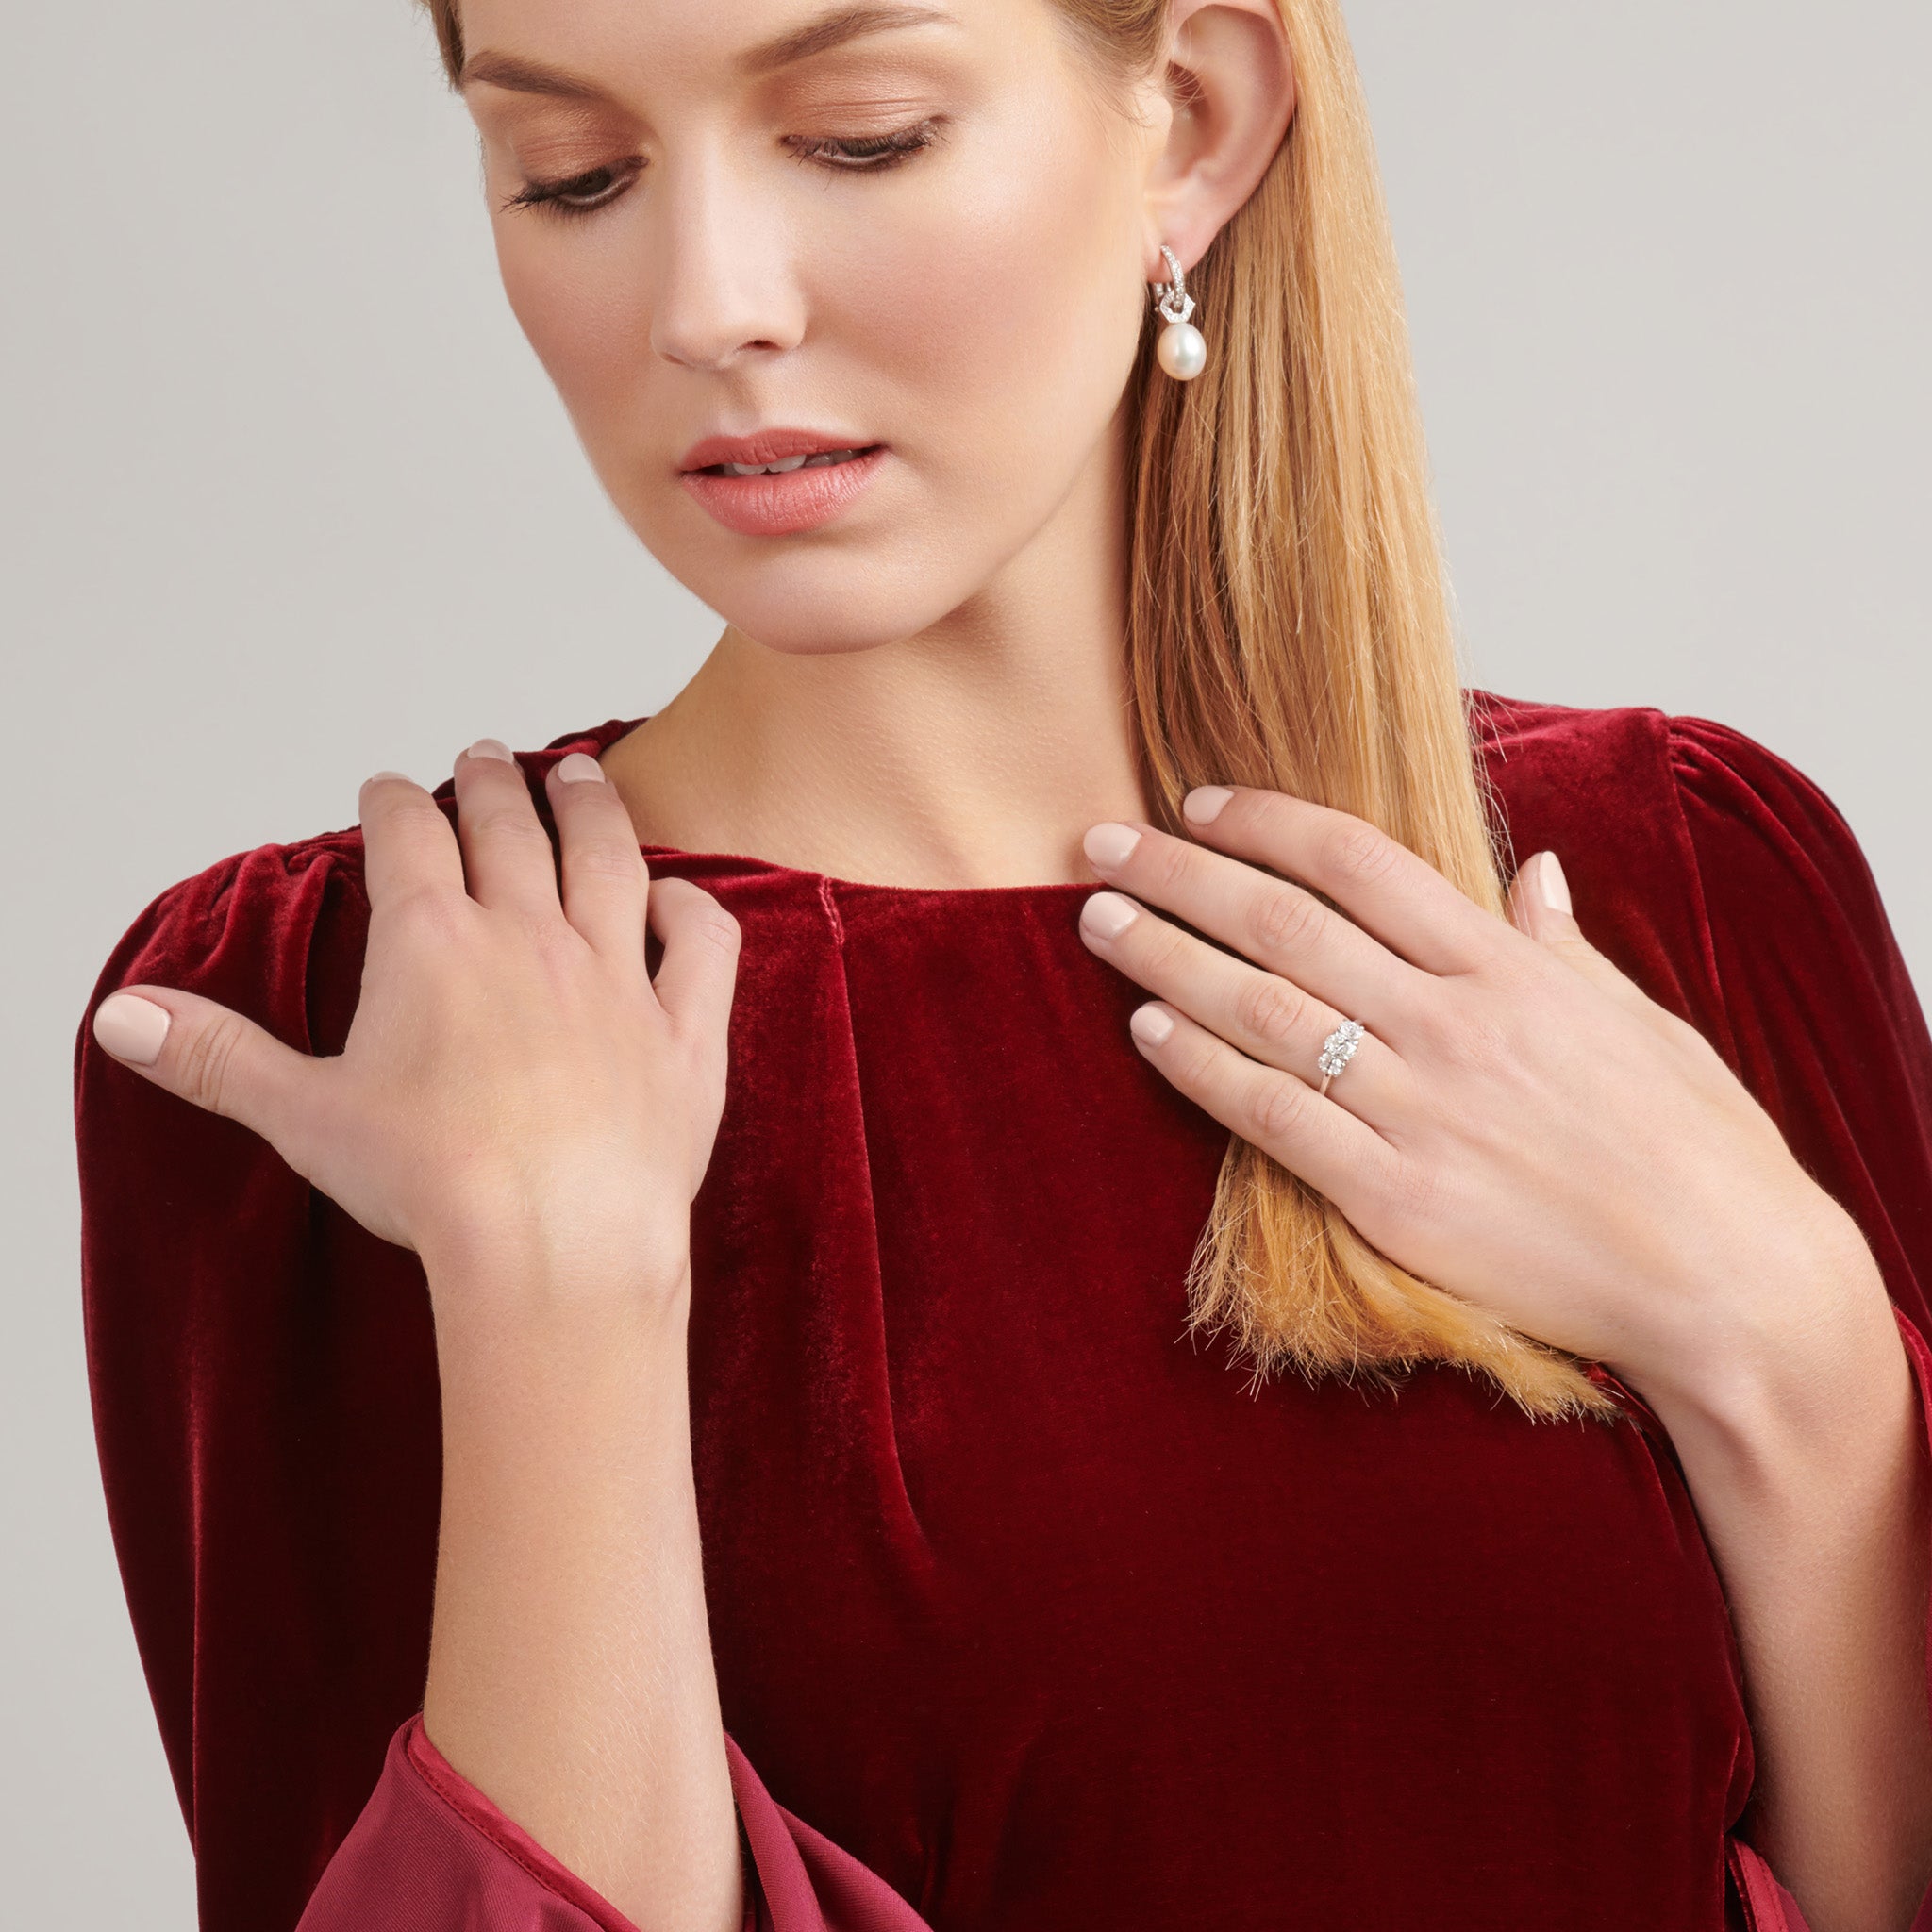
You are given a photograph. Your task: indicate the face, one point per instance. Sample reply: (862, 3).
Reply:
(927, 242)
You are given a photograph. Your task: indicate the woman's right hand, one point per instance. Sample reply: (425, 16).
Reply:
(514, 1081)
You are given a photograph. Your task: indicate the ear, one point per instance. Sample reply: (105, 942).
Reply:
(1230, 77)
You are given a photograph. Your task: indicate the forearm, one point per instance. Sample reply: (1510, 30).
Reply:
(571, 1676)
(1814, 1494)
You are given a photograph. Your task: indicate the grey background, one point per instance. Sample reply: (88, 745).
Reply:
(288, 500)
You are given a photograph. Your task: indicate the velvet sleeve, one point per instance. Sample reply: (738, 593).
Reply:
(264, 1394)
(1823, 1024)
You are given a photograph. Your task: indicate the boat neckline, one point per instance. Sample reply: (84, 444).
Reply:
(600, 737)
(1486, 706)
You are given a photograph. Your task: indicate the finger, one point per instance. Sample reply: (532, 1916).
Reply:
(1333, 1151)
(1274, 924)
(408, 845)
(209, 1055)
(604, 877)
(509, 861)
(1384, 886)
(698, 974)
(1270, 1019)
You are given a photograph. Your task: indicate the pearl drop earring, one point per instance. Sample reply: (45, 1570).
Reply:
(1182, 349)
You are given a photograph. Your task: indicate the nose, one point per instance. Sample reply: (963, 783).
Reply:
(727, 286)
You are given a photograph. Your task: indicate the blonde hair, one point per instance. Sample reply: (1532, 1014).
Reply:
(1288, 627)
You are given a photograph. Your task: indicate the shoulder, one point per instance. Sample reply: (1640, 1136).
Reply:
(263, 931)
(278, 931)
(1706, 863)
(192, 1225)
(1644, 783)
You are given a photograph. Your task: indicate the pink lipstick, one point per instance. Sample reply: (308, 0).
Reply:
(777, 482)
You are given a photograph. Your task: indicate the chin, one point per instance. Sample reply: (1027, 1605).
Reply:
(842, 611)
(821, 601)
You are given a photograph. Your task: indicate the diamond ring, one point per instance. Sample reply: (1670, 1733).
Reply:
(1338, 1049)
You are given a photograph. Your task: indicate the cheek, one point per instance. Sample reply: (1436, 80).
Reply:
(1004, 309)
(582, 316)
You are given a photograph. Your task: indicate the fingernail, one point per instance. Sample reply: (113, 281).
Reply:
(374, 775)
(577, 766)
(130, 1027)
(492, 748)
(1109, 845)
(1151, 1024)
(1202, 805)
(1551, 883)
(1109, 914)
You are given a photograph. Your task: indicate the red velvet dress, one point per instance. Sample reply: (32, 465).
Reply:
(1029, 1613)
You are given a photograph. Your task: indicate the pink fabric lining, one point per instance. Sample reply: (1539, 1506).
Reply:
(430, 1850)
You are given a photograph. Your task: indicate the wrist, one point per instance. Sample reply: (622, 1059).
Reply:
(499, 1302)
(1788, 1370)
(552, 1274)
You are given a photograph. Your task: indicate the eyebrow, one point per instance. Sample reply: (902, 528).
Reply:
(833, 30)
(815, 37)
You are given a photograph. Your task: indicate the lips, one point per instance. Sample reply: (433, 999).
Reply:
(781, 503)
(767, 446)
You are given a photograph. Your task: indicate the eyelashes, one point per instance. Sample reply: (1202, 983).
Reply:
(578, 195)
(584, 195)
(870, 153)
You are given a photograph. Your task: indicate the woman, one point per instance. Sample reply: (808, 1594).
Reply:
(559, 1488)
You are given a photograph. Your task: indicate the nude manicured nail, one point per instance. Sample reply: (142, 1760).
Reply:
(1202, 805)
(1109, 914)
(577, 766)
(493, 748)
(130, 1027)
(1109, 845)
(1151, 1024)
(1551, 883)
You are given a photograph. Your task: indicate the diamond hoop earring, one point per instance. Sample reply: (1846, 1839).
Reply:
(1182, 349)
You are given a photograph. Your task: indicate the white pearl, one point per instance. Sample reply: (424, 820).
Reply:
(1183, 351)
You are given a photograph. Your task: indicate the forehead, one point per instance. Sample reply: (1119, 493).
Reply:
(544, 45)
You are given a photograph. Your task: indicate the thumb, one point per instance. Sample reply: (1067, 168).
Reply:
(1539, 900)
(205, 1053)
(698, 975)
(1540, 906)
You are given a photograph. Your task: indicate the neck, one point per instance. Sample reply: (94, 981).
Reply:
(973, 754)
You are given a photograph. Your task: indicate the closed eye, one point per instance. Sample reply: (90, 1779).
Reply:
(870, 153)
(583, 194)
(576, 194)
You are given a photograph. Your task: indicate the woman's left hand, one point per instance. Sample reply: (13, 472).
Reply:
(1520, 1125)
